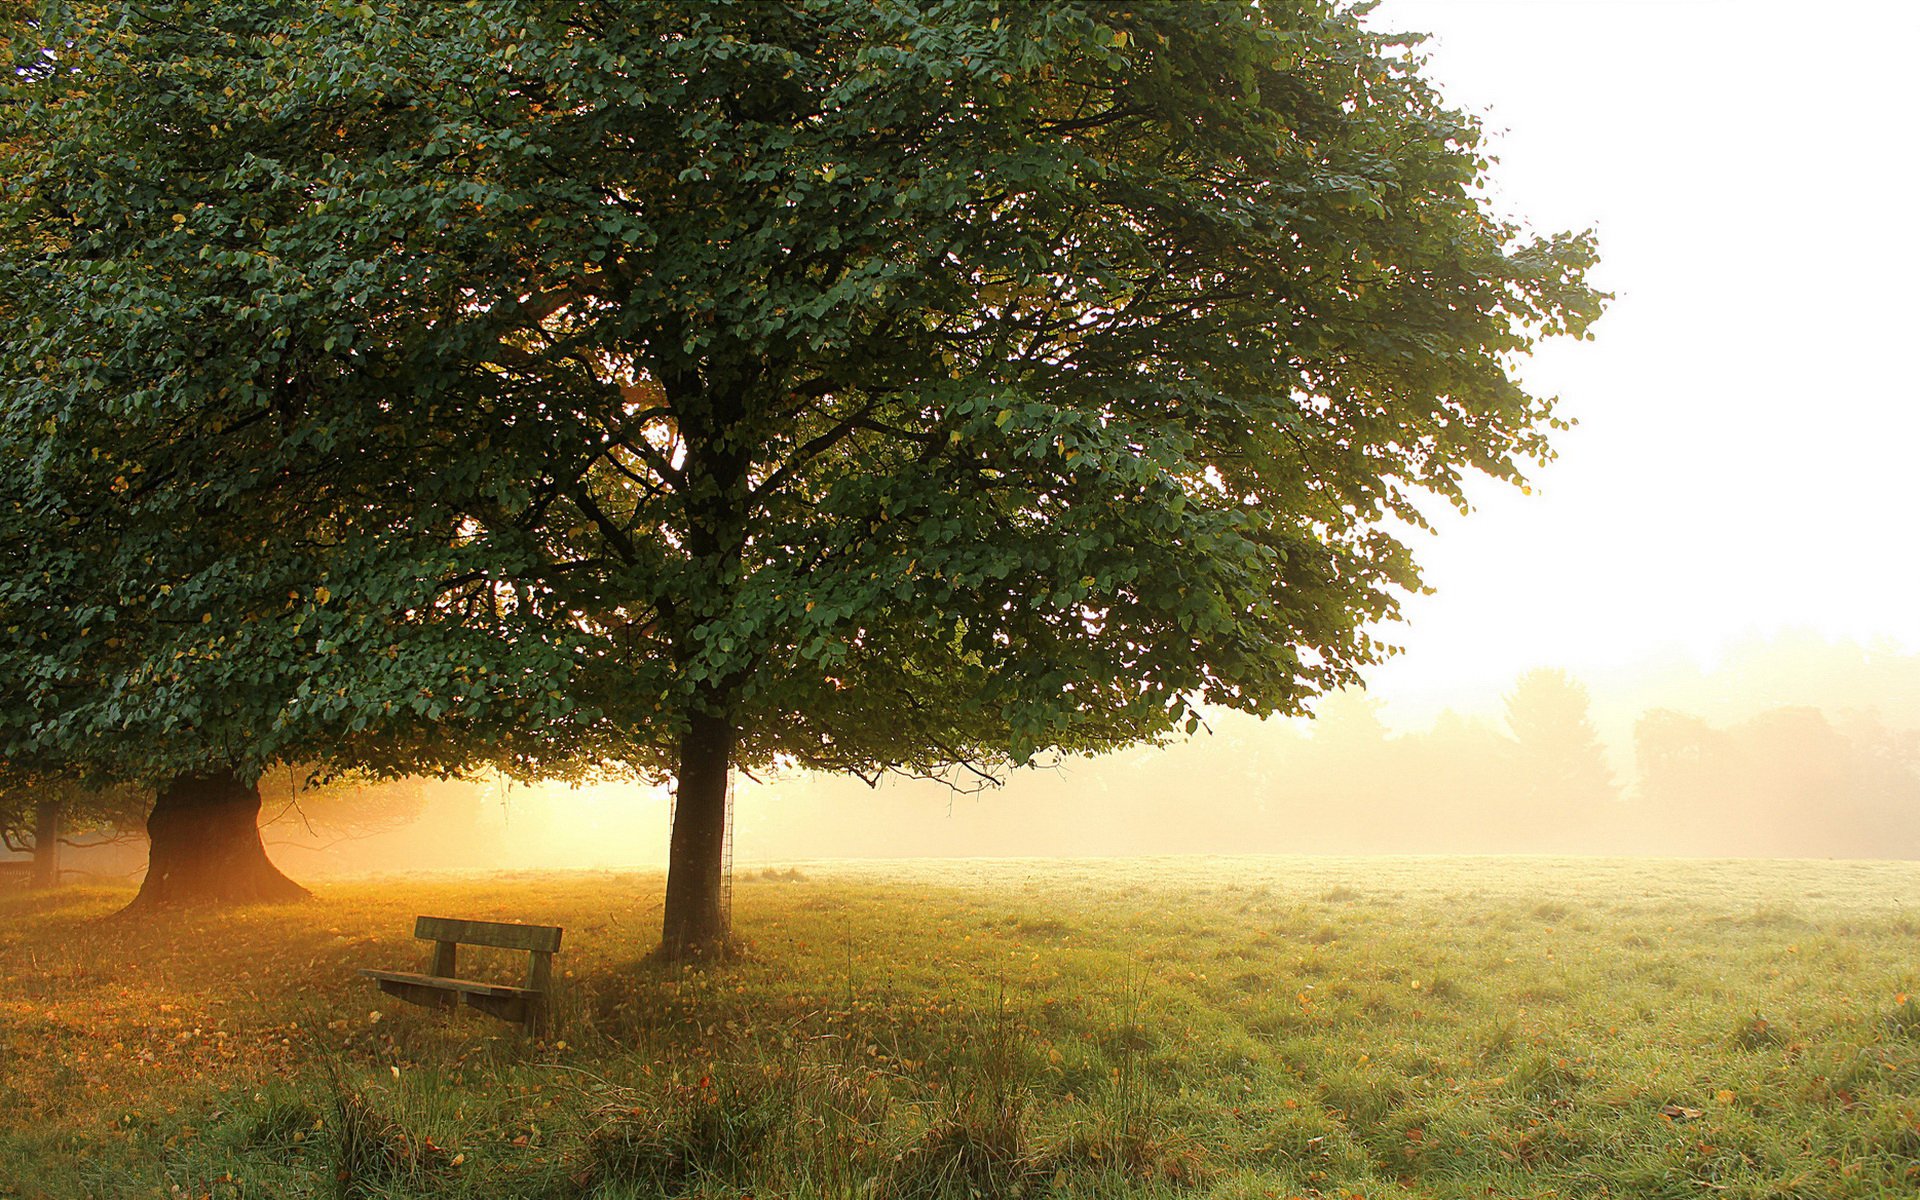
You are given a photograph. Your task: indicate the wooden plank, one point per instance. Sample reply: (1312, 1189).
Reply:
(471, 987)
(518, 1005)
(541, 938)
(413, 993)
(522, 1010)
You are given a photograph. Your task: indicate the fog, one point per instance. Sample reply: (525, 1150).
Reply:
(1795, 746)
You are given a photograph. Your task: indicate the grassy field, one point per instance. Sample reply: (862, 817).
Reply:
(1230, 1028)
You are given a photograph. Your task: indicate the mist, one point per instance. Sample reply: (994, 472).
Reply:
(1790, 746)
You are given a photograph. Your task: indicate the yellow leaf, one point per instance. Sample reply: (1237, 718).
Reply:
(321, 595)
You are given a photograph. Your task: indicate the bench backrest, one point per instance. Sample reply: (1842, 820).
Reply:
(540, 939)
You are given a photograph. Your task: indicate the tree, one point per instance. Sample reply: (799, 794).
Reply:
(872, 388)
(228, 547)
(39, 815)
(1566, 779)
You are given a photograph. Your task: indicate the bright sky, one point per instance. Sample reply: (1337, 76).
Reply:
(1746, 455)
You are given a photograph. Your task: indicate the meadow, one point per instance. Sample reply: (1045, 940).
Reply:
(1270, 1027)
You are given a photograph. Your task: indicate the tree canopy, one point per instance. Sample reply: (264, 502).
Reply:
(194, 483)
(868, 387)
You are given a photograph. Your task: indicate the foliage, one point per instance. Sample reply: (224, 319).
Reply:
(1123, 1028)
(227, 546)
(903, 385)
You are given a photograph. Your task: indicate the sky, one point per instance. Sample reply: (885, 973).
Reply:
(1744, 459)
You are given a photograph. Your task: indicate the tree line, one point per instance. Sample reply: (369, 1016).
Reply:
(1794, 747)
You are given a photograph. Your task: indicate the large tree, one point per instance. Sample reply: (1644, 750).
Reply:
(867, 387)
(247, 502)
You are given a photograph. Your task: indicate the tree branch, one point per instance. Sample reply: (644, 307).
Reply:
(815, 447)
(616, 536)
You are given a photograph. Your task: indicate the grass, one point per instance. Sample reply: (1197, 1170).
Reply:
(1151, 1028)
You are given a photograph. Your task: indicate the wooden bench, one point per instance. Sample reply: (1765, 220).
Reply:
(438, 987)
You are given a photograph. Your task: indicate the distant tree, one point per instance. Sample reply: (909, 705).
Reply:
(899, 387)
(30, 823)
(1468, 798)
(1348, 722)
(1561, 761)
(1786, 782)
(1886, 766)
(1681, 787)
(38, 815)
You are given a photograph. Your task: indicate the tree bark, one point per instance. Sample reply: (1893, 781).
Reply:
(694, 923)
(204, 847)
(46, 843)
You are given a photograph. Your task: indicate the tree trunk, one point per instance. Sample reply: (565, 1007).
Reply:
(204, 837)
(695, 924)
(46, 843)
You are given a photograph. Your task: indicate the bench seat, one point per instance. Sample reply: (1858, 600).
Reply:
(472, 987)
